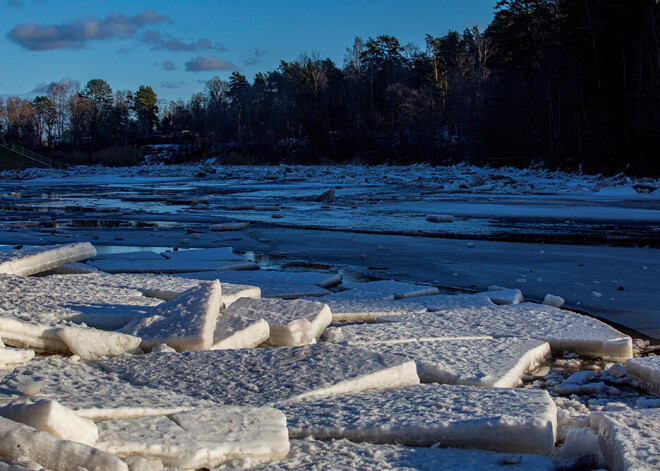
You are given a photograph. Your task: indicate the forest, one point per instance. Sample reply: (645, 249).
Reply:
(562, 84)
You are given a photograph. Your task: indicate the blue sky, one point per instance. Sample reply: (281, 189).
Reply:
(175, 45)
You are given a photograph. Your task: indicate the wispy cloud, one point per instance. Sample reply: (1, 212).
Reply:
(76, 34)
(203, 64)
(43, 87)
(173, 84)
(165, 42)
(255, 57)
(168, 65)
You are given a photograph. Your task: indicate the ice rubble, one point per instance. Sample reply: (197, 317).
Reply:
(505, 420)
(647, 371)
(630, 439)
(292, 322)
(265, 376)
(29, 261)
(201, 438)
(186, 322)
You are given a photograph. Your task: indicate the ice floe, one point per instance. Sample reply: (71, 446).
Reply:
(32, 260)
(646, 371)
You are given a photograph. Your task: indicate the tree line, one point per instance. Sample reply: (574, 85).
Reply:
(568, 84)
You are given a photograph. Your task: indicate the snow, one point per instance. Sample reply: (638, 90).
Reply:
(630, 439)
(200, 439)
(169, 266)
(395, 332)
(292, 322)
(496, 419)
(50, 416)
(186, 322)
(233, 332)
(361, 310)
(90, 391)
(21, 441)
(265, 376)
(316, 455)
(29, 261)
(647, 371)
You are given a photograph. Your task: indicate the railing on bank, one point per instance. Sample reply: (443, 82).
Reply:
(25, 152)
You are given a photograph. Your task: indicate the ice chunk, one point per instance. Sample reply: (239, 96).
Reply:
(21, 441)
(361, 310)
(186, 322)
(29, 261)
(342, 454)
(579, 441)
(218, 253)
(170, 266)
(647, 371)
(90, 391)
(384, 289)
(50, 416)
(506, 296)
(265, 375)
(92, 344)
(580, 377)
(630, 439)
(554, 301)
(292, 322)
(14, 356)
(232, 332)
(497, 419)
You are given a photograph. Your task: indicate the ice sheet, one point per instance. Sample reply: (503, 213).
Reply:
(90, 391)
(265, 376)
(316, 455)
(233, 332)
(218, 253)
(496, 419)
(647, 371)
(29, 261)
(169, 266)
(384, 289)
(186, 322)
(630, 440)
(292, 322)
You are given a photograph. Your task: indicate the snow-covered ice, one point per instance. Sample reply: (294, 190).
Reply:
(496, 419)
(233, 332)
(92, 344)
(14, 356)
(169, 266)
(292, 322)
(647, 371)
(505, 296)
(186, 322)
(29, 261)
(365, 310)
(630, 440)
(384, 289)
(265, 376)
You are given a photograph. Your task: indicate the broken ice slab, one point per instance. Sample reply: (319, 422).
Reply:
(646, 371)
(50, 416)
(343, 454)
(10, 357)
(270, 280)
(384, 289)
(505, 296)
(233, 332)
(92, 344)
(91, 392)
(217, 253)
(366, 310)
(169, 266)
(186, 322)
(630, 440)
(292, 322)
(21, 441)
(200, 439)
(498, 419)
(29, 261)
(265, 376)
(563, 330)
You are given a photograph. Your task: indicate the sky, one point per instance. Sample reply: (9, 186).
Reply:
(175, 46)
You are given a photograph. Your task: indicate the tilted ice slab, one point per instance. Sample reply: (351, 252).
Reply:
(29, 261)
(233, 332)
(186, 322)
(563, 330)
(384, 289)
(265, 376)
(268, 280)
(292, 322)
(630, 440)
(203, 438)
(14, 356)
(21, 441)
(366, 310)
(50, 416)
(91, 392)
(316, 455)
(217, 253)
(496, 419)
(647, 371)
(169, 266)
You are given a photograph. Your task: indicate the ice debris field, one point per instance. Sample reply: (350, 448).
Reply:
(111, 362)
